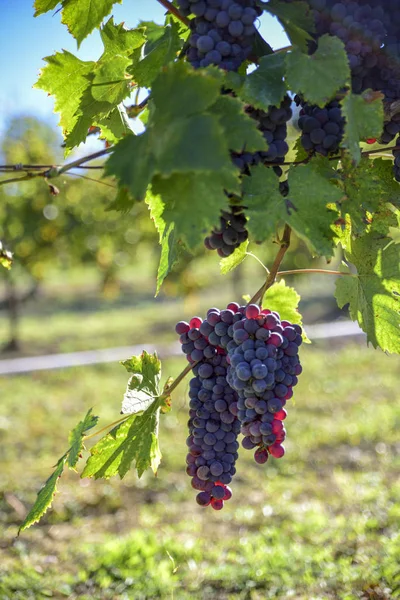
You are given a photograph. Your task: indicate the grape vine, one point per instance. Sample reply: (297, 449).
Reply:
(240, 144)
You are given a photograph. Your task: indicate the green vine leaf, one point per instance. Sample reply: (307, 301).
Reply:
(170, 248)
(193, 203)
(240, 130)
(46, 494)
(320, 76)
(180, 91)
(175, 152)
(263, 87)
(311, 205)
(134, 440)
(43, 6)
(144, 384)
(133, 163)
(182, 105)
(365, 187)
(84, 16)
(394, 234)
(114, 126)
(284, 300)
(266, 208)
(110, 82)
(89, 111)
(119, 41)
(75, 438)
(81, 16)
(298, 151)
(183, 30)
(123, 202)
(161, 48)
(171, 251)
(45, 497)
(260, 46)
(234, 260)
(88, 93)
(66, 78)
(389, 190)
(364, 119)
(373, 294)
(167, 404)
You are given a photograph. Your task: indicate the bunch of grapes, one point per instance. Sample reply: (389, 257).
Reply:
(245, 361)
(362, 27)
(223, 35)
(273, 126)
(385, 75)
(370, 30)
(213, 425)
(230, 233)
(222, 31)
(321, 128)
(390, 130)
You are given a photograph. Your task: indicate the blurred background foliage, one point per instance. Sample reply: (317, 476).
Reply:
(49, 233)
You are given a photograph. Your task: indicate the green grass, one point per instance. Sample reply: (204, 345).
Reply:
(321, 523)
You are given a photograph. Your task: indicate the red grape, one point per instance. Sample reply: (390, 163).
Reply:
(276, 450)
(280, 415)
(252, 311)
(228, 493)
(217, 504)
(195, 322)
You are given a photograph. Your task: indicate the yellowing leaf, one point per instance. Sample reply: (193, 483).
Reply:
(285, 301)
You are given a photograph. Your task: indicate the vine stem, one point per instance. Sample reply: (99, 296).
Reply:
(311, 271)
(307, 160)
(7, 168)
(174, 11)
(106, 427)
(77, 163)
(163, 396)
(284, 245)
(134, 110)
(55, 171)
(258, 260)
(114, 187)
(178, 380)
(17, 179)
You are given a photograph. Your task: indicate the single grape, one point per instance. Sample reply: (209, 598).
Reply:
(228, 493)
(218, 492)
(217, 504)
(203, 498)
(276, 450)
(261, 456)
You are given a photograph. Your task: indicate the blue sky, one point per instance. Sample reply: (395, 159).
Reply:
(24, 41)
